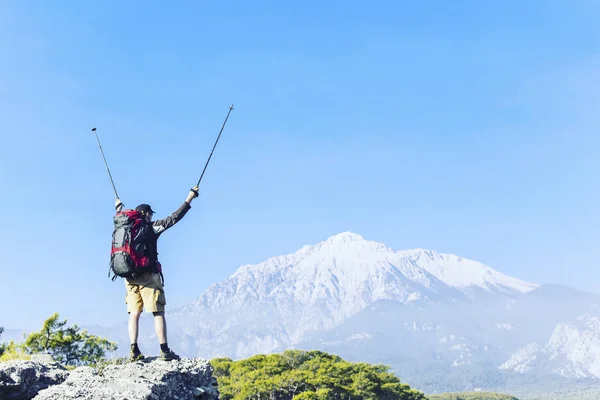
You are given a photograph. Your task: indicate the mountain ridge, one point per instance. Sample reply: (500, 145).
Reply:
(317, 287)
(421, 266)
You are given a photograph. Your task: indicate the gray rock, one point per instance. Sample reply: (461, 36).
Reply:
(153, 379)
(24, 379)
(42, 358)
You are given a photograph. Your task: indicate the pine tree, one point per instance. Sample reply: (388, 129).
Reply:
(311, 375)
(68, 345)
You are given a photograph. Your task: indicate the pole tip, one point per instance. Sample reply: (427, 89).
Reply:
(231, 107)
(93, 129)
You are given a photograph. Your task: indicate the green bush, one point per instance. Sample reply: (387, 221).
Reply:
(12, 351)
(311, 375)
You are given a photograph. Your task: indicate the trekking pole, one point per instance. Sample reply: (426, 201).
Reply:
(213, 149)
(109, 175)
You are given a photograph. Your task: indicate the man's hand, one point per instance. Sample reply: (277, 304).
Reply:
(192, 195)
(118, 204)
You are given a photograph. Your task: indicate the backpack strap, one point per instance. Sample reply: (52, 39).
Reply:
(114, 275)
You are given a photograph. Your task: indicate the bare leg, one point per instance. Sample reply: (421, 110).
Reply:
(134, 319)
(160, 326)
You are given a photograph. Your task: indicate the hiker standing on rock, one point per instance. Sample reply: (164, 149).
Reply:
(145, 289)
(134, 257)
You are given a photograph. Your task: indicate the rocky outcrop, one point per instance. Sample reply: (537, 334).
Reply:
(25, 379)
(152, 379)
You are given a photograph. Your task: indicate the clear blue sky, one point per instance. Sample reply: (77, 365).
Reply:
(465, 127)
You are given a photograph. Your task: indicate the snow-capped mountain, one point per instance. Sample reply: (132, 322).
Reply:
(353, 272)
(319, 286)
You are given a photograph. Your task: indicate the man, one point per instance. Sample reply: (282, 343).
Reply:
(147, 291)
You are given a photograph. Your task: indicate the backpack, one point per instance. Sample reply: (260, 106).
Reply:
(127, 254)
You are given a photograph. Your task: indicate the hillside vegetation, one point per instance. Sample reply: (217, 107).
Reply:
(307, 375)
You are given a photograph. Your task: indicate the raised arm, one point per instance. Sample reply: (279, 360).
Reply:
(162, 225)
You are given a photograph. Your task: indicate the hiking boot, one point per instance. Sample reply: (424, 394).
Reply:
(134, 356)
(168, 355)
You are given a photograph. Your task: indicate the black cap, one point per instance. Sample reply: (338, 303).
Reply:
(144, 209)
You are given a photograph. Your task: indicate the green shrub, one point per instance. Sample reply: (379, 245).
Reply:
(12, 351)
(307, 375)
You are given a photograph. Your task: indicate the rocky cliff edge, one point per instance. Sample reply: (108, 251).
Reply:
(152, 379)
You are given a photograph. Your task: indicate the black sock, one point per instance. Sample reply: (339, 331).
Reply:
(164, 347)
(135, 348)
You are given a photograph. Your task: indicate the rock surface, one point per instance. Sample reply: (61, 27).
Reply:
(24, 379)
(151, 379)
(142, 380)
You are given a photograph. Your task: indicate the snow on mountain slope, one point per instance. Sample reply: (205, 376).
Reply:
(524, 359)
(348, 266)
(462, 273)
(319, 286)
(577, 343)
(572, 351)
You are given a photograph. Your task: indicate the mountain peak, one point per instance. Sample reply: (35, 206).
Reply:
(320, 285)
(349, 251)
(346, 237)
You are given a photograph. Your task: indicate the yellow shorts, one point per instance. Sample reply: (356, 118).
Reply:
(146, 292)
